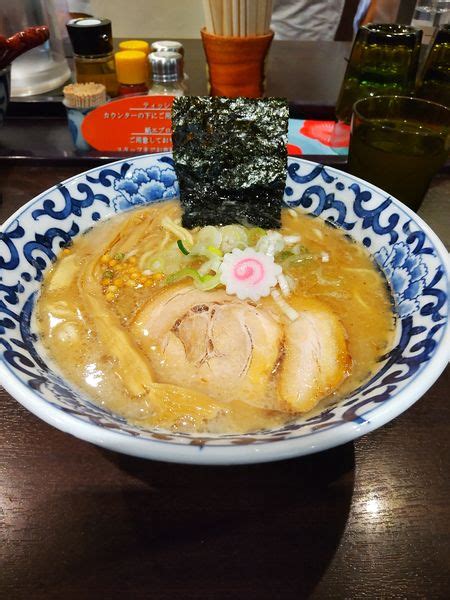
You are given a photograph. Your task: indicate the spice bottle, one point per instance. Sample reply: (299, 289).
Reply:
(167, 74)
(168, 46)
(140, 46)
(93, 52)
(132, 71)
(172, 46)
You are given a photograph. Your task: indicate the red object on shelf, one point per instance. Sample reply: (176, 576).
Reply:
(17, 44)
(293, 150)
(329, 133)
(128, 89)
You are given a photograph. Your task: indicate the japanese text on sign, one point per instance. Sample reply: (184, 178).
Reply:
(132, 124)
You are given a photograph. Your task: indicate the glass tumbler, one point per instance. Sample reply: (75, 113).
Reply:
(383, 61)
(434, 83)
(399, 143)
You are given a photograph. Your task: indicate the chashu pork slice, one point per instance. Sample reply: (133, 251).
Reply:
(315, 360)
(210, 341)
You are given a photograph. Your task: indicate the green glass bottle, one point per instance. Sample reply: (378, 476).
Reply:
(383, 61)
(434, 82)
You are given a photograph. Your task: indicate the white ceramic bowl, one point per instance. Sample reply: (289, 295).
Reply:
(413, 259)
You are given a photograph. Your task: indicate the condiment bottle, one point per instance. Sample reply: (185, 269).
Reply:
(172, 46)
(141, 46)
(167, 74)
(93, 52)
(168, 46)
(132, 72)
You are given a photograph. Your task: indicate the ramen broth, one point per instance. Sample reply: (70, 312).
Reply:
(97, 291)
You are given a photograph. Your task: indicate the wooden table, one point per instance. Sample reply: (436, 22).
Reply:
(370, 519)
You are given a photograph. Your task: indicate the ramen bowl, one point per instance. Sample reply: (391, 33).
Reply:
(412, 258)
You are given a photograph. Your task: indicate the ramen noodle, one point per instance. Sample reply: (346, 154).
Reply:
(215, 329)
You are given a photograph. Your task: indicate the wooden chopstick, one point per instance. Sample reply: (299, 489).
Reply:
(216, 10)
(237, 18)
(268, 17)
(208, 17)
(242, 18)
(227, 17)
(260, 16)
(251, 17)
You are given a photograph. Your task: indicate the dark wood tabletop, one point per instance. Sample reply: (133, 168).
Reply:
(367, 520)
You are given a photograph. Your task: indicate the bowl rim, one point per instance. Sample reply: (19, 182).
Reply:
(237, 454)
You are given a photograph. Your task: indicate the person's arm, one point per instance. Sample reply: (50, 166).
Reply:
(381, 11)
(370, 15)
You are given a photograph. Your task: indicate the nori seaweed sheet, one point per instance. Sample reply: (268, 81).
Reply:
(231, 159)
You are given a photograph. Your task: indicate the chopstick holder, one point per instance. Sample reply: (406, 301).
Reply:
(236, 64)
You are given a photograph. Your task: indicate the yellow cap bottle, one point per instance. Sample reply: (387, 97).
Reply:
(132, 72)
(139, 45)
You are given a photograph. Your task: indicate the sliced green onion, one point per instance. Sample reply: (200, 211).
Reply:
(209, 282)
(214, 250)
(298, 259)
(182, 274)
(254, 234)
(295, 256)
(155, 264)
(283, 255)
(233, 236)
(119, 256)
(182, 248)
(108, 274)
(213, 264)
(299, 249)
(208, 236)
(205, 282)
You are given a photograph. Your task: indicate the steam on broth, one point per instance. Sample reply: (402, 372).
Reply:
(215, 329)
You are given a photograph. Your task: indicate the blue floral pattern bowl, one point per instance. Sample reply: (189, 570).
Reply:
(411, 256)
